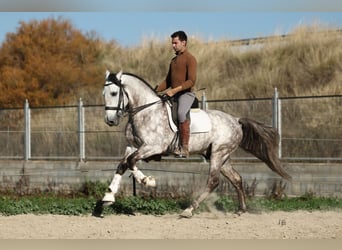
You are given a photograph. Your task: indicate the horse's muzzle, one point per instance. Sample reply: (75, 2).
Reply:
(112, 122)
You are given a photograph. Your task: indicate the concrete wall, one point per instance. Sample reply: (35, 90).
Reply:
(173, 178)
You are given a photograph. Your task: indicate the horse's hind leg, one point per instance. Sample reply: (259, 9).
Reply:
(212, 183)
(234, 177)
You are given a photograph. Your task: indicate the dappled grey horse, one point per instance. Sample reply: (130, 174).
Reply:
(150, 135)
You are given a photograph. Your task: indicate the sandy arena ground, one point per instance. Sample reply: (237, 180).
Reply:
(213, 225)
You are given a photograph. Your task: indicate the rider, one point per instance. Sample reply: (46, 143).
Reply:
(180, 81)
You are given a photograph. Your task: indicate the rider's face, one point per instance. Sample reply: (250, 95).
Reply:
(177, 45)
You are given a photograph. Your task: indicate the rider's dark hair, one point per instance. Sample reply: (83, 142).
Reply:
(181, 35)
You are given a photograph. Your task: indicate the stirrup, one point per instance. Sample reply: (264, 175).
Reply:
(180, 153)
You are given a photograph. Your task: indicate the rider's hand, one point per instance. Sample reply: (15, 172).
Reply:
(174, 91)
(171, 92)
(164, 97)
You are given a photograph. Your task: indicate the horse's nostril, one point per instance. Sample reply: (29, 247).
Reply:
(109, 122)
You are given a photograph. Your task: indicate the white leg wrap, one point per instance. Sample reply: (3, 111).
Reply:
(115, 184)
(187, 213)
(138, 175)
(109, 197)
(148, 181)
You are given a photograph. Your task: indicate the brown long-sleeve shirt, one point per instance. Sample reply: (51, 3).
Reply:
(182, 72)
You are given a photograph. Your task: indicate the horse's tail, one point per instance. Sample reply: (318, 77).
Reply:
(263, 142)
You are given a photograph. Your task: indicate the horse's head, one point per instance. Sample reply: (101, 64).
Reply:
(115, 98)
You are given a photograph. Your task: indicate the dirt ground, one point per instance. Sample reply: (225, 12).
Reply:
(205, 225)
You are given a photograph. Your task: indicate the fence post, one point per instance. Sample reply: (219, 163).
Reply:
(81, 140)
(204, 101)
(27, 131)
(276, 117)
(275, 109)
(279, 129)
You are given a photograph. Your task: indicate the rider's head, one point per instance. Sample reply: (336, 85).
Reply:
(181, 35)
(179, 41)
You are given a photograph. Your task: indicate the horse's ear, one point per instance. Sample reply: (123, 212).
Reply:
(119, 75)
(107, 73)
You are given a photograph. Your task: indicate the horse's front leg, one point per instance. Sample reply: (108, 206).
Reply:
(144, 152)
(109, 197)
(140, 154)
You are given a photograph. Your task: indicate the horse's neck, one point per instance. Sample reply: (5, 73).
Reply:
(140, 94)
(138, 99)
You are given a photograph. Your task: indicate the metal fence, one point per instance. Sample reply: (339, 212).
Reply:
(310, 129)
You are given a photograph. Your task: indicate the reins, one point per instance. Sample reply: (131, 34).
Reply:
(134, 111)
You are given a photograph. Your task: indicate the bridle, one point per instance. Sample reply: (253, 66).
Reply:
(121, 110)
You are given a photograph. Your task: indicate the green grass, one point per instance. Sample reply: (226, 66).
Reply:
(52, 204)
(10, 205)
(305, 202)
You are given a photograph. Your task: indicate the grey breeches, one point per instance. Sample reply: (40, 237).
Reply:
(184, 104)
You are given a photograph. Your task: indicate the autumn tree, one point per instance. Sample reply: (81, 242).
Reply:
(48, 62)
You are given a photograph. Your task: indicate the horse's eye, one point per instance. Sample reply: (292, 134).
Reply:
(114, 94)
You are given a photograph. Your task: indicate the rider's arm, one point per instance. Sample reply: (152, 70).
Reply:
(161, 87)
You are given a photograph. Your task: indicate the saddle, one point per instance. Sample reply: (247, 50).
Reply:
(199, 119)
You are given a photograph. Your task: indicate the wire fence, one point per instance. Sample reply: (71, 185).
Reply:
(309, 127)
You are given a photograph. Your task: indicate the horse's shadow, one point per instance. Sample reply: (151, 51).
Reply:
(98, 209)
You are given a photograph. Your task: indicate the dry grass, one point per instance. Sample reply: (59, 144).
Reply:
(307, 62)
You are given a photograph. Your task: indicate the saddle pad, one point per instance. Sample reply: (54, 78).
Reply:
(200, 121)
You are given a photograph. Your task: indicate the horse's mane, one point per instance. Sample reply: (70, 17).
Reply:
(141, 79)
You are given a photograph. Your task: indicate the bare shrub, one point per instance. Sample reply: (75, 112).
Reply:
(277, 191)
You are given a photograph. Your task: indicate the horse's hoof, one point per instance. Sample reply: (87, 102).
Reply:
(149, 181)
(240, 212)
(187, 213)
(98, 215)
(98, 209)
(108, 198)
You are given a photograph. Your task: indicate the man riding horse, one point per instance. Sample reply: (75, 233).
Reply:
(149, 133)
